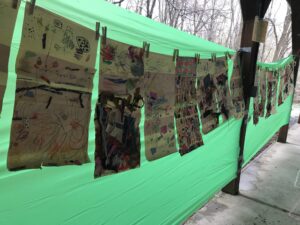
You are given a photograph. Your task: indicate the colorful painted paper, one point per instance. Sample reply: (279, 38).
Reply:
(8, 16)
(159, 94)
(118, 110)
(236, 91)
(206, 91)
(186, 111)
(213, 93)
(55, 68)
(272, 83)
(222, 88)
(260, 99)
(286, 83)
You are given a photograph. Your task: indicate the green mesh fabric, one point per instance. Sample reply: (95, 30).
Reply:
(165, 191)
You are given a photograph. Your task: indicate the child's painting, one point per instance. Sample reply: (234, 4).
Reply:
(118, 110)
(186, 111)
(159, 88)
(55, 69)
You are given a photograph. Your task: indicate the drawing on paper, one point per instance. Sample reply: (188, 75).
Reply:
(159, 95)
(118, 110)
(53, 93)
(186, 111)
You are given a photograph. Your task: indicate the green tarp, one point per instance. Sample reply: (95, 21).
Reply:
(165, 191)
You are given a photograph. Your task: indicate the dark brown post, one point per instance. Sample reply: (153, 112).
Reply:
(250, 9)
(295, 7)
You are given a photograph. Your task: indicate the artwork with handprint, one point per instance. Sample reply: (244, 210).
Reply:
(55, 70)
(8, 16)
(159, 94)
(186, 111)
(118, 109)
(259, 102)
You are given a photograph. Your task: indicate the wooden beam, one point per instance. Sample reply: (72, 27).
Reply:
(295, 8)
(250, 9)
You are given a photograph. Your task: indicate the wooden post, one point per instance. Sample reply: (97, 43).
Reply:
(250, 9)
(295, 7)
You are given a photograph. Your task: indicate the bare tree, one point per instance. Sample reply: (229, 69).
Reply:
(219, 21)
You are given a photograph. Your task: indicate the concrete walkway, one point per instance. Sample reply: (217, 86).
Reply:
(270, 190)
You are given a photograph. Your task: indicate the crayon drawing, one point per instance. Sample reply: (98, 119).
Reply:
(159, 88)
(55, 69)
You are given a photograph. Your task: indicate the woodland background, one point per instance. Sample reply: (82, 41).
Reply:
(219, 21)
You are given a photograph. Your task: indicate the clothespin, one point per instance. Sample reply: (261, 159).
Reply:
(227, 55)
(175, 54)
(104, 35)
(31, 7)
(97, 30)
(197, 58)
(146, 48)
(213, 57)
(15, 4)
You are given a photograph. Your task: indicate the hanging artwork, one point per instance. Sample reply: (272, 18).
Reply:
(213, 93)
(186, 111)
(286, 82)
(272, 83)
(159, 106)
(8, 15)
(55, 70)
(207, 96)
(236, 91)
(118, 110)
(222, 89)
(260, 99)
